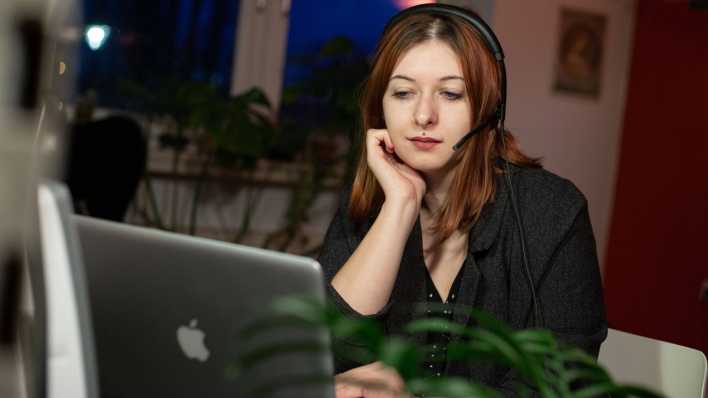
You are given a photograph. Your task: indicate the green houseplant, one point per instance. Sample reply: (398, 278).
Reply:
(547, 366)
(229, 132)
(234, 135)
(318, 119)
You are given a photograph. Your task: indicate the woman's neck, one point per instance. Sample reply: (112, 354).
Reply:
(437, 189)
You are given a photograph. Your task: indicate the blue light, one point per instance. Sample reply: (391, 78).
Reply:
(96, 36)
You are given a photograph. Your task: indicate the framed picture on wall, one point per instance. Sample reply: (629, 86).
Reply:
(578, 68)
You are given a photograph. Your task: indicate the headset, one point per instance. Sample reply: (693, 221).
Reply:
(495, 119)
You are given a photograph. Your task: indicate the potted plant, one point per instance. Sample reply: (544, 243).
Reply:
(228, 133)
(549, 368)
(318, 125)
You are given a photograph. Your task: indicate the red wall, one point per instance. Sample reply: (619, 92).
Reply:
(657, 254)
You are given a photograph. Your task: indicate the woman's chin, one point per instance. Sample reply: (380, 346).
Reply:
(429, 163)
(428, 167)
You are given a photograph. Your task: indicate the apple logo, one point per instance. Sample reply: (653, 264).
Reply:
(191, 341)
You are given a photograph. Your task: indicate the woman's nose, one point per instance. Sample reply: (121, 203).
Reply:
(425, 112)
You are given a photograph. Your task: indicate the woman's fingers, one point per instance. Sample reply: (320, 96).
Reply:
(345, 387)
(376, 137)
(397, 180)
(373, 380)
(388, 142)
(346, 390)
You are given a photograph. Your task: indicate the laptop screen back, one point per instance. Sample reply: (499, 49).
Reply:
(169, 311)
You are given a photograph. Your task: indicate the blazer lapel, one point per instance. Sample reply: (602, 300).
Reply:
(467, 294)
(482, 235)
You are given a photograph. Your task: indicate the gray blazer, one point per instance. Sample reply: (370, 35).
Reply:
(561, 253)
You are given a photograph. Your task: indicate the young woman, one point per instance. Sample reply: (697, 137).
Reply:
(425, 223)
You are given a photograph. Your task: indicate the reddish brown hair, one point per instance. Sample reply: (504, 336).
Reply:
(473, 184)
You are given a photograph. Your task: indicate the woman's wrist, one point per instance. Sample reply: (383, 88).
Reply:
(404, 211)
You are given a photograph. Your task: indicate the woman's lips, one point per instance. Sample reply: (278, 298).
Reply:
(425, 143)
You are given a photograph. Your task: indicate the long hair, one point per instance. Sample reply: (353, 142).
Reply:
(473, 183)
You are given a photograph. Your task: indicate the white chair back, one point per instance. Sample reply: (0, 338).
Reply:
(673, 370)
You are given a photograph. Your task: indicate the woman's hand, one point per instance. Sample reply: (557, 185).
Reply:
(374, 380)
(399, 181)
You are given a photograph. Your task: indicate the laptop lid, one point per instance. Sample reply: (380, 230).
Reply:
(70, 352)
(169, 311)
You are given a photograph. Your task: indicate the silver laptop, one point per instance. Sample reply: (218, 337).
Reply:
(170, 311)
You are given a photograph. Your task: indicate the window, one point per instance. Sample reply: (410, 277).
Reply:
(150, 41)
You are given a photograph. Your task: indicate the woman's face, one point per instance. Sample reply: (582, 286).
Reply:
(426, 106)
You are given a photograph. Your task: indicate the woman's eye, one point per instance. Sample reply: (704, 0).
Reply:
(403, 94)
(451, 96)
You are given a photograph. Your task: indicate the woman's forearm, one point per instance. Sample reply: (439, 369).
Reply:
(365, 281)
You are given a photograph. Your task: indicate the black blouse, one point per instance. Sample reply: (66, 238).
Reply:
(434, 364)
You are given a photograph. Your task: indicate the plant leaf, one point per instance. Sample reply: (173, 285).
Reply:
(450, 387)
(401, 355)
(434, 325)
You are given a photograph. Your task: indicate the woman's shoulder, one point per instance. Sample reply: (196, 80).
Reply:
(549, 203)
(540, 186)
